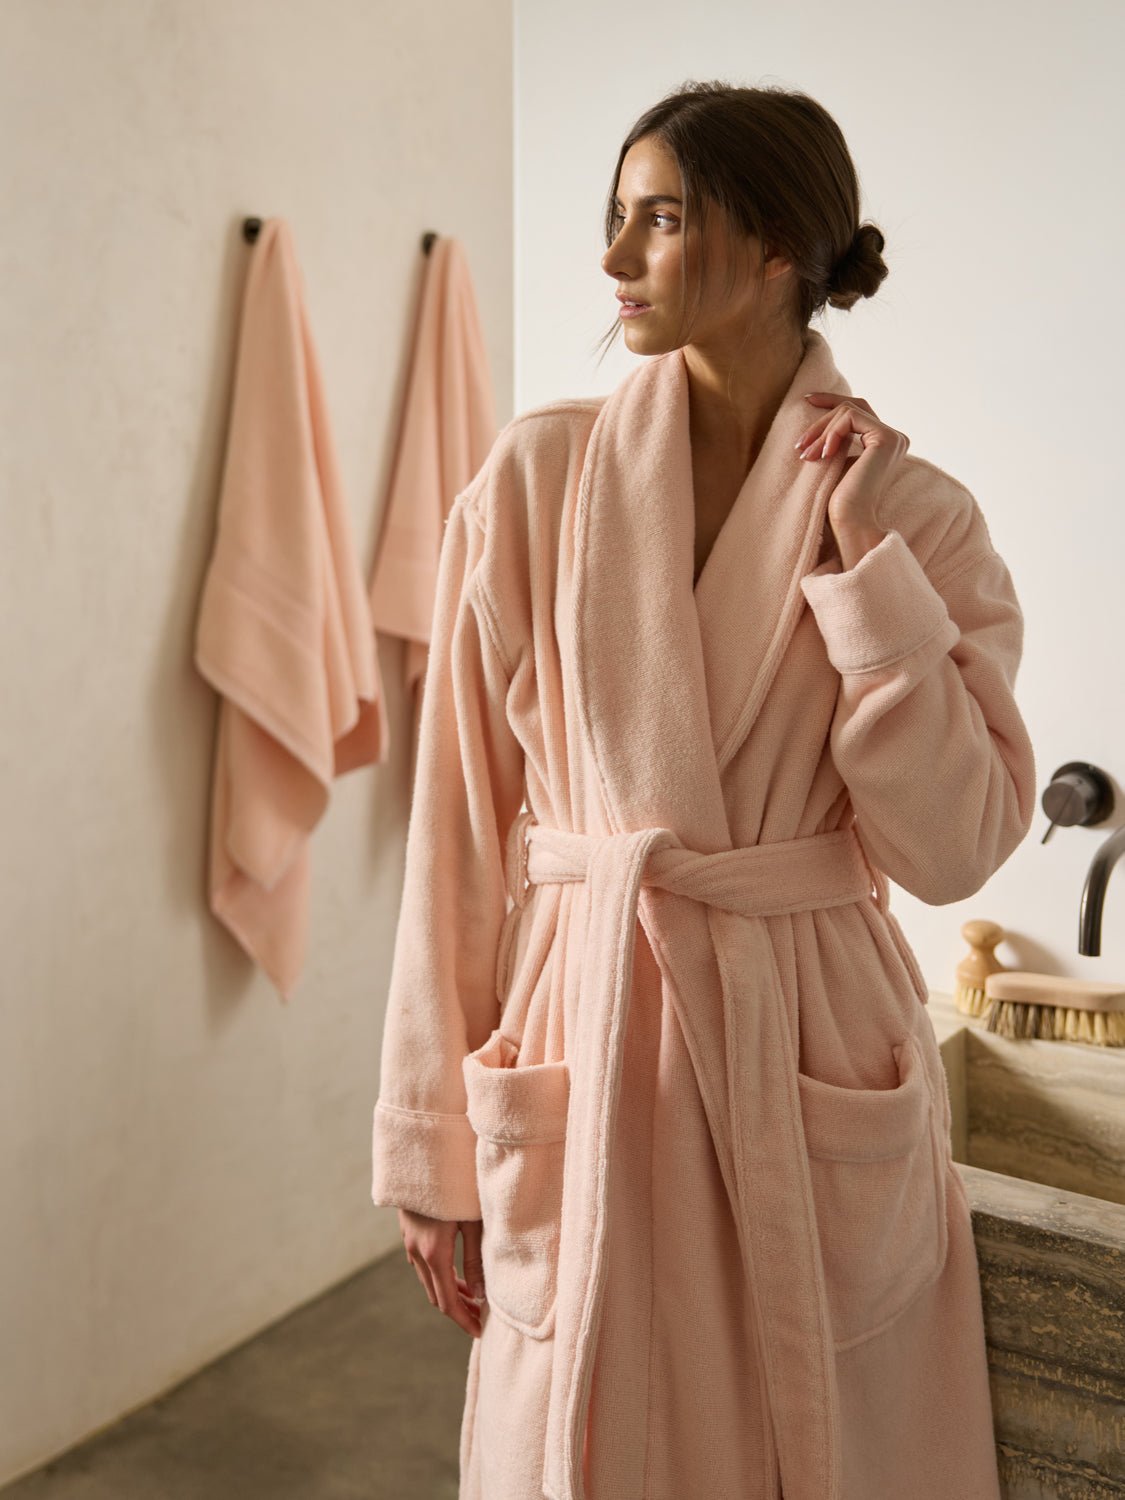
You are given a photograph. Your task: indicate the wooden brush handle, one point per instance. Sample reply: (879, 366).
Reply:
(982, 938)
(1054, 989)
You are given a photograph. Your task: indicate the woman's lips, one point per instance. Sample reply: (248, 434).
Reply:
(626, 311)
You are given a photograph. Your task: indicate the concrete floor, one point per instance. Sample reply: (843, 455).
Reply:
(357, 1396)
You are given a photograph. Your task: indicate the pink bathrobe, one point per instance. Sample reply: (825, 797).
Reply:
(659, 1029)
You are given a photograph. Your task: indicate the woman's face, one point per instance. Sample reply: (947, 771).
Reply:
(644, 261)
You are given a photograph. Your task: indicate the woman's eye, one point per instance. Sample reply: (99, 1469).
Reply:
(620, 219)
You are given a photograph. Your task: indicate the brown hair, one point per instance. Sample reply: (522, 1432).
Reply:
(775, 164)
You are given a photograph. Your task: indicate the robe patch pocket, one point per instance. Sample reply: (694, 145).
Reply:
(519, 1115)
(879, 1189)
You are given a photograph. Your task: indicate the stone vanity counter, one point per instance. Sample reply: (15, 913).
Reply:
(1038, 1136)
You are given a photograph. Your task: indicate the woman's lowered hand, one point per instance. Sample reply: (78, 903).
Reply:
(430, 1249)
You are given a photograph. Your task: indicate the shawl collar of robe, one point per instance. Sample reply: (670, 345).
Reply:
(665, 712)
(661, 715)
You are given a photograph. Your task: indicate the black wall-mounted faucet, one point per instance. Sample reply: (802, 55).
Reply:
(1082, 794)
(1093, 892)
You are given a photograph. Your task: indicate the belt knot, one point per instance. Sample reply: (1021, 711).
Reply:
(817, 870)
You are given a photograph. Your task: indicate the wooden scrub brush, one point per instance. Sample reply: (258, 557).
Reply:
(1024, 1006)
(1054, 1008)
(976, 966)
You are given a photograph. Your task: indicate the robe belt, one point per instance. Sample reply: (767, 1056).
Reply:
(755, 1119)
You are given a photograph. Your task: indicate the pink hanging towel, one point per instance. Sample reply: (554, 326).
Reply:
(284, 630)
(448, 427)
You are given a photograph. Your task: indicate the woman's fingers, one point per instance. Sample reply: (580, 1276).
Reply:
(449, 1297)
(471, 1257)
(473, 1304)
(423, 1273)
(816, 441)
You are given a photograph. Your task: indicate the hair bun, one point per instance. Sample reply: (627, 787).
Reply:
(861, 268)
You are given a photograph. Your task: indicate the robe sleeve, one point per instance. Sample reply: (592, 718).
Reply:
(442, 999)
(926, 732)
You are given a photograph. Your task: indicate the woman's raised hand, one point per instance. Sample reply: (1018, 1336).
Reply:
(430, 1249)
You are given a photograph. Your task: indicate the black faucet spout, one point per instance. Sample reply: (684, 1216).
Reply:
(1093, 893)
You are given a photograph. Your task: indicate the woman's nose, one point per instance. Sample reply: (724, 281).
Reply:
(614, 263)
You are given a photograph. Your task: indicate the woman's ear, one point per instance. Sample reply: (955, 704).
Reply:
(776, 263)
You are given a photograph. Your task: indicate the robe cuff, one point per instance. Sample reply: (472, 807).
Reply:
(879, 611)
(425, 1162)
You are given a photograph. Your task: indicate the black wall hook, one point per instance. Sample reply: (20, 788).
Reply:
(427, 240)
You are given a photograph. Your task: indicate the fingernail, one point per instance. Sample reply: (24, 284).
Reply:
(478, 1289)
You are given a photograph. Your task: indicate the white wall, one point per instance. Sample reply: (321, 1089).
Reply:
(183, 1157)
(987, 141)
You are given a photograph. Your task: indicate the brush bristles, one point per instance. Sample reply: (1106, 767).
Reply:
(970, 1000)
(1025, 1021)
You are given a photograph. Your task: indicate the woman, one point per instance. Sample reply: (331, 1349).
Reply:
(655, 1045)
